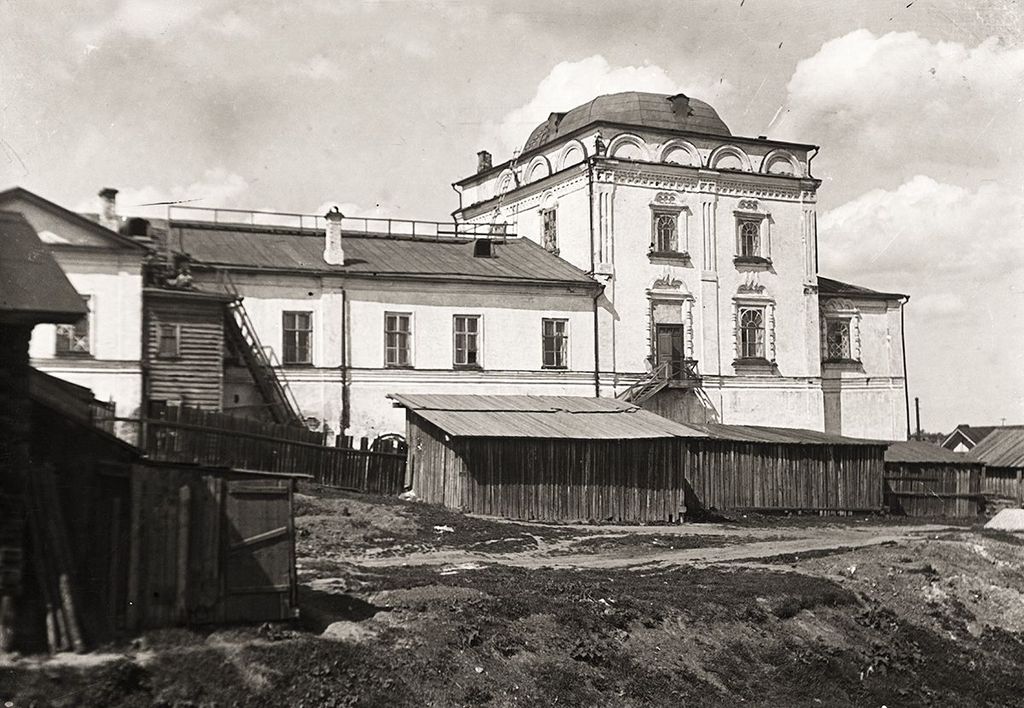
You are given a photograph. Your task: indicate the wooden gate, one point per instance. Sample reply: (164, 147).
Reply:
(259, 552)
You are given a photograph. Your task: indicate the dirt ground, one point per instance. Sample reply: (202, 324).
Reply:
(405, 604)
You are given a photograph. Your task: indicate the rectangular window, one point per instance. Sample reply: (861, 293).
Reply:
(549, 230)
(168, 341)
(556, 343)
(397, 339)
(751, 333)
(666, 232)
(74, 339)
(467, 340)
(298, 338)
(837, 340)
(750, 239)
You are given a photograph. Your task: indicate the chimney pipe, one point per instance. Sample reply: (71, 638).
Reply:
(333, 251)
(483, 162)
(108, 209)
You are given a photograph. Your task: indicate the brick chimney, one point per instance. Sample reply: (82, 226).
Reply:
(108, 209)
(483, 161)
(333, 251)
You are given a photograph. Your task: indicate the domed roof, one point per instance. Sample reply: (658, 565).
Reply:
(646, 110)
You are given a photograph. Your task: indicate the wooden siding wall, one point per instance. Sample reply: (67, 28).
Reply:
(1005, 482)
(196, 377)
(933, 489)
(189, 537)
(770, 476)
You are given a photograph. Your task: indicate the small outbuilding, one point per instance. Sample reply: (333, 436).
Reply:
(924, 479)
(574, 458)
(1002, 453)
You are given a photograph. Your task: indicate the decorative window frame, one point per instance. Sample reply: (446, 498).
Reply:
(745, 364)
(568, 148)
(539, 162)
(726, 150)
(780, 155)
(685, 146)
(629, 139)
(667, 204)
(750, 212)
(839, 309)
(549, 206)
(669, 291)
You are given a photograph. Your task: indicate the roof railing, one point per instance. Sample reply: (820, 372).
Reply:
(370, 225)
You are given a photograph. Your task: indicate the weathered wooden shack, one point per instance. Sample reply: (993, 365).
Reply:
(743, 467)
(146, 544)
(573, 458)
(1002, 453)
(924, 479)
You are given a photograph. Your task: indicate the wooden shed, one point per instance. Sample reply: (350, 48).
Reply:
(757, 468)
(574, 458)
(924, 479)
(1002, 453)
(145, 544)
(546, 457)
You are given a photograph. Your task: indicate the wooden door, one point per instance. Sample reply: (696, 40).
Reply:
(669, 344)
(259, 552)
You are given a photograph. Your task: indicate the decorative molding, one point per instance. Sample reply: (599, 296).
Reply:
(751, 284)
(747, 205)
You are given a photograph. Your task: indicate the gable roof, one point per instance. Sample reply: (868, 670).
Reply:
(973, 434)
(922, 451)
(1003, 447)
(301, 251)
(566, 417)
(830, 287)
(33, 288)
(115, 239)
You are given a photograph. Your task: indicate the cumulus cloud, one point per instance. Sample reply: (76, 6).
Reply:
(958, 252)
(216, 188)
(144, 19)
(899, 96)
(318, 68)
(571, 83)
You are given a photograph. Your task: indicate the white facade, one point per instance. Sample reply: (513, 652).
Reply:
(105, 268)
(345, 384)
(695, 296)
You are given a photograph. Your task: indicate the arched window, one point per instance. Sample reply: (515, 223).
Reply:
(572, 156)
(750, 239)
(751, 333)
(666, 232)
(679, 156)
(628, 151)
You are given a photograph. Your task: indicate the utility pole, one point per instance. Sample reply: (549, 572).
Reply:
(917, 413)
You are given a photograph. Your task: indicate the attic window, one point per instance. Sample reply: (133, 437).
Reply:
(483, 248)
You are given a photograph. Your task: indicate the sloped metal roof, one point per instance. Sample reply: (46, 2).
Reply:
(515, 260)
(1003, 447)
(830, 287)
(645, 110)
(33, 288)
(765, 434)
(922, 451)
(572, 417)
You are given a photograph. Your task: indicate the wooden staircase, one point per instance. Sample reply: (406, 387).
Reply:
(261, 361)
(646, 387)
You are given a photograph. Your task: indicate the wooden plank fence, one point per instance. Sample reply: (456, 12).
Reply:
(183, 434)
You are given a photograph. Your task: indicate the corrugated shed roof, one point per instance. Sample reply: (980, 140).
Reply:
(1003, 447)
(922, 451)
(647, 110)
(573, 417)
(828, 286)
(515, 260)
(33, 288)
(766, 434)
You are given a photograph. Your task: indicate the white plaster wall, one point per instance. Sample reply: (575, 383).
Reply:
(113, 371)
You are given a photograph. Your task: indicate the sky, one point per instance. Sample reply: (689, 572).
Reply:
(380, 105)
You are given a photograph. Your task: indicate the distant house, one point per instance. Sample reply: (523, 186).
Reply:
(964, 437)
(1002, 452)
(102, 349)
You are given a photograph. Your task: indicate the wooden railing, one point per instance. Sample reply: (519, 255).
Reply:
(182, 434)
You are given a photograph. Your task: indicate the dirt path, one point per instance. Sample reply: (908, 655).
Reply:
(804, 541)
